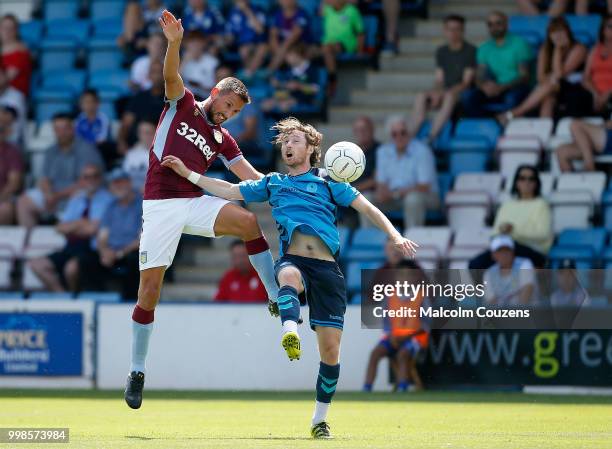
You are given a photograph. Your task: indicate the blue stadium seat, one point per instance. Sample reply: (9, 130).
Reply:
(468, 162)
(484, 129)
(45, 110)
(60, 9)
(100, 296)
(110, 80)
(31, 33)
(585, 28)
(57, 54)
(11, 295)
(107, 28)
(344, 234)
(593, 238)
(104, 60)
(353, 274)
(367, 244)
(607, 257)
(108, 108)
(107, 9)
(69, 29)
(606, 204)
(443, 140)
(583, 256)
(67, 80)
(531, 28)
(310, 6)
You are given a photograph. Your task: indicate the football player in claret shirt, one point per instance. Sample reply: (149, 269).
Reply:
(172, 205)
(304, 206)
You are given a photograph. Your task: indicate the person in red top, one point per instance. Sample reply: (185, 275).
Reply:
(597, 78)
(173, 205)
(240, 283)
(15, 56)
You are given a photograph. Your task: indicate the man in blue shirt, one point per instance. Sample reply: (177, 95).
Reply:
(246, 29)
(304, 206)
(117, 239)
(202, 17)
(79, 223)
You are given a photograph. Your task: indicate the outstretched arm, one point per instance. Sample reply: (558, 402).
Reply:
(217, 187)
(173, 30)
(363, 206)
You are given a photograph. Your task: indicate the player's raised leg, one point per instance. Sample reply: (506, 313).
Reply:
(291, 285)
(237, 221)
(328, 339)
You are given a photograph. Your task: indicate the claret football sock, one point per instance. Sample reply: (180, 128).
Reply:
(261, 259)
(142, 326)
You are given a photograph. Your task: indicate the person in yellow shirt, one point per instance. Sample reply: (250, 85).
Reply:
(526, 217)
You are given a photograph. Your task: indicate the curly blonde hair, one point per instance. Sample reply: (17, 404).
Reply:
(313, 137)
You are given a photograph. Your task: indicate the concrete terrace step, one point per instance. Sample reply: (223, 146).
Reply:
(344, 131)
(417, 45)
(418, 62)
(399, 80)
(475, 30)
(182, 291)
(375, 98)
(475, 10)
(379, 114)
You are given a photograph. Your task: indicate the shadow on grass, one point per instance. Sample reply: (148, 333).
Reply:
(271, 438)
(425, 396)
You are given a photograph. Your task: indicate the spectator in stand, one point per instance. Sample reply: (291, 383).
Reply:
(91, 124)
(403, 338)
(555, 8)
(136, 161)
(502, 76)
(244, 126)
(455, 69)
(16, 58)
(587, 141)
(560, 63)
(406, 176)
(198, 65)
(510, 281)
(246, 29)
(298, 85)
(363, 134)
(9, 125)
(139, 73)
(11, 176)
(79, 222)
(391, 13)
(598, 71)
(569, 292)
(146, 105)
(526, 217)
(240, 283)
(64, 162)
(202, 17)
(290, 26)
(342, 33)
(12, 97)
(117, 240)
(140, 20)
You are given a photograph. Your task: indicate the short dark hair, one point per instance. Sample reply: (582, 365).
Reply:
(231, 84)
(92, 92)
(62, 116)
(454, 18)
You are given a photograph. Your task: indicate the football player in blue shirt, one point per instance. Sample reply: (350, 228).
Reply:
(304, 206)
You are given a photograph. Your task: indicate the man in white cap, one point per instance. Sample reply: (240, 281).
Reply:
(511, 280)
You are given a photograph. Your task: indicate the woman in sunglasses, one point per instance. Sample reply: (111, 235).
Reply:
(526, 218)
(560, 63)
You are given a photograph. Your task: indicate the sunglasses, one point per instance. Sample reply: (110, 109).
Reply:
(401, 133)
(526, 178)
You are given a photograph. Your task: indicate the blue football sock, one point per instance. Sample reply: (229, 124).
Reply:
(140, 345)
(367, 388)
(327, 381)
(288, 304)
(264, 265)
(403, 386)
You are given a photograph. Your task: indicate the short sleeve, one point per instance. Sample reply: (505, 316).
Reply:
(105, 221)
(380, 166)
(526, 273)
(343, 193)
(255, 191)
(230, 152)
(426, 172)
(185, 101)
(481, 55)
(74, 209)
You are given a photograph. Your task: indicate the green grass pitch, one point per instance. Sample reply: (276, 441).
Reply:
(175, 420)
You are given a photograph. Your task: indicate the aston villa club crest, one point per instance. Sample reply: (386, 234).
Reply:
(218, 135)
(196, 112)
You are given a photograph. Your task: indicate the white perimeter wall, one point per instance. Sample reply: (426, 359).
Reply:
(226, 347)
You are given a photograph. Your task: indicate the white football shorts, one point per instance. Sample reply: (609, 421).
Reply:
(163, 222)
